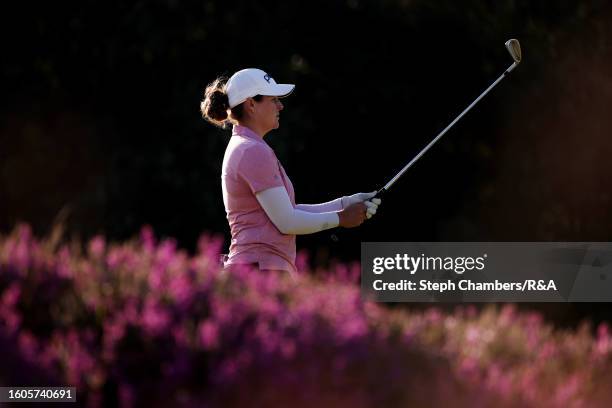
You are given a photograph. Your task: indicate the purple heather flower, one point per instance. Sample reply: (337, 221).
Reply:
(242, 323)
(209, 334)
(568, 390)
(147, 238)
(28, 345)
(64, 260)
(156, 277)
(11, 295)
(603, 341)
(210, 246)
(97, 247)
(165, 252)
(180, 289)
(469, 370)
(288, 348)
(155, 319)
(114, 330)
(21, 255)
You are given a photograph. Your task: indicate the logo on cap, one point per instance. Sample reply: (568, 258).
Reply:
(267, 78)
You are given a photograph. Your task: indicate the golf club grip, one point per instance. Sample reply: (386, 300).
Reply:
(380, 193)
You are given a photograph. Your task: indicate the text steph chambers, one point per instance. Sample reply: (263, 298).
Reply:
(464, 285)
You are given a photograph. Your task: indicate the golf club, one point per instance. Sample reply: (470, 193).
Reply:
(514, 48)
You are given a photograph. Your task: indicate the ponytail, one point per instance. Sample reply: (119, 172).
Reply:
(215, 105)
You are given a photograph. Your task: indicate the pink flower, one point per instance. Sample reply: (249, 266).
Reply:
(352, 328)
(603, 342)
(508, 314)
(469, 370)
(156, 277)
(472, 335)
(21, 255)
(28, 345)
(210, 246)
(97, 247)
(64, 263)
(114, 258)
(548, 350)
(24, 232)
(147, 238)
(180, 289)
(228, 370)
(114, 330)
(155, 319)
(288, 349)
(11, 295)
(11, 320)
(165, 252)
(568, 390)
(603, 331)
(209, 335)
(433, 315)
(180, 336)
(498, 381)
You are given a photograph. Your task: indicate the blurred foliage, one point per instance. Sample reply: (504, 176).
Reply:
(99, 115)
(142, 323)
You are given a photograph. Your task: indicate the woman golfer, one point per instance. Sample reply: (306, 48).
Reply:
(257, 193)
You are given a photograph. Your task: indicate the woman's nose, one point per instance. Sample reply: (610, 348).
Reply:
(280, 106)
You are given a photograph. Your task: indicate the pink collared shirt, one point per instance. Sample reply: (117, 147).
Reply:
(250, 166)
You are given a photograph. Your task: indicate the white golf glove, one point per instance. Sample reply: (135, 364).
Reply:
(356, 198)
(365, 198)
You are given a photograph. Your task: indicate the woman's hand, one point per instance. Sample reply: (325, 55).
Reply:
(366, 198)
(352, 216)
(372, 206)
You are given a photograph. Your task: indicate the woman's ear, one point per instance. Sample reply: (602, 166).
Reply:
(250, 105)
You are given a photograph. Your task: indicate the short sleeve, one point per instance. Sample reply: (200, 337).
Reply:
(259, 168)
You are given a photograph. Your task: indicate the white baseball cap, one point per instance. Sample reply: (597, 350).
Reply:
(252, 81)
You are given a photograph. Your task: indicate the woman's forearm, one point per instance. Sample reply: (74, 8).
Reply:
(330, 206)
(289, 220)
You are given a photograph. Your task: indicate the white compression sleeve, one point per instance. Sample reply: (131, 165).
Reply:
(275, 202)
(333, 205)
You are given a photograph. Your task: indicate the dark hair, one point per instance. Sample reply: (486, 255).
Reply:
(215, 105)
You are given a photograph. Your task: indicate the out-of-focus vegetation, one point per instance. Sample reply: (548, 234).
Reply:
(142, 323)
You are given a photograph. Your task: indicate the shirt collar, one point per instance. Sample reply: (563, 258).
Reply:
(246, 132)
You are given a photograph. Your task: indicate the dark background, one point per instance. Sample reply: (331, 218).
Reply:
(100, 124)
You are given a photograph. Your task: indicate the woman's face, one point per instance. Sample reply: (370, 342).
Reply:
(267, 112)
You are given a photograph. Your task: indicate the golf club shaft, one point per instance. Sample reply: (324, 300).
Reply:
(422, 152)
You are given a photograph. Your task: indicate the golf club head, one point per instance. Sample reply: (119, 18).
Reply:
(514, 48)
